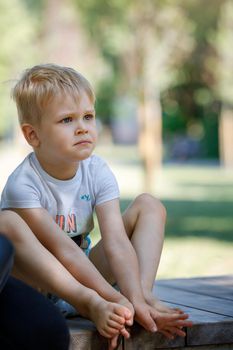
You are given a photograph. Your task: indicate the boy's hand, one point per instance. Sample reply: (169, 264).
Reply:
(145, 315)
(169, 324)
(130, 316)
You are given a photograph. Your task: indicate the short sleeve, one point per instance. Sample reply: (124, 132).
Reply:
(19, 194)
(106, 186)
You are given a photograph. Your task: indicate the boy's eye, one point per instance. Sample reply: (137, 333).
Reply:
(89, 116)
(67, 120)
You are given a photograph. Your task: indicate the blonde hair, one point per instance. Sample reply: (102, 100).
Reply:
(41, 83)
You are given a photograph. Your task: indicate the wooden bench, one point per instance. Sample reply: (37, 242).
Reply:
(208, 301)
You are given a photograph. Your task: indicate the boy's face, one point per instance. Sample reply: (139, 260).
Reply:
(67, 131)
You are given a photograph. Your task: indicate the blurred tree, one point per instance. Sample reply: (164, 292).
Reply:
(64, 41)
(191, 103)
(224, 81)
(143, 41)
(17, 37)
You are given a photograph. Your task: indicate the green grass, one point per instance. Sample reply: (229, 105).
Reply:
(199, 203)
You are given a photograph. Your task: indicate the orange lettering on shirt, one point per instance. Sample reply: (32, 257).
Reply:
(71, 223)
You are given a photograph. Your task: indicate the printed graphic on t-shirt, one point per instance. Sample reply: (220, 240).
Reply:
(76, 222)
(68, 224)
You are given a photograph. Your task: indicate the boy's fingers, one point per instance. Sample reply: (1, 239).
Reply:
(184, 323)
(109, 333)
(118, 319)
(112, 343)
(180, 323)
(148, 322)
(172, 317)
(115, 325)
(128, 314)
(145, 317)
(177, 310)
(167, 334)
(129, 322)
(177, 331)
(125, 333)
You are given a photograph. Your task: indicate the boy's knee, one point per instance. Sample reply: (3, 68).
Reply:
(151, 204)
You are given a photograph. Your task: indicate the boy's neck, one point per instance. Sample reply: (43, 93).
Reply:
(58, 171)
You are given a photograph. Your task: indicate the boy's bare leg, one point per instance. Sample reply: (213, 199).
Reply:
(144, 222)
(37, 266)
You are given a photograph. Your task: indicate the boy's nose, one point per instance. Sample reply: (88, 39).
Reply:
(80, 131)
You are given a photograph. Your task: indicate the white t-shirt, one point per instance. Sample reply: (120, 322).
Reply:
(71, 202)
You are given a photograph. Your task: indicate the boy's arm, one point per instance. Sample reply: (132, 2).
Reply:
(65, 250)
(119, 250)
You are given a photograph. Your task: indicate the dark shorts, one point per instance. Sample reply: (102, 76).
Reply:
(84, 242)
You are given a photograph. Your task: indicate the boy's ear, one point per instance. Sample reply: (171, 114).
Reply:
(30, 135)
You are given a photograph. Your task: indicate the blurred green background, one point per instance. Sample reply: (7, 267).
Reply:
(162, 72)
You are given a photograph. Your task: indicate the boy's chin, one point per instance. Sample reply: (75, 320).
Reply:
(84, 156)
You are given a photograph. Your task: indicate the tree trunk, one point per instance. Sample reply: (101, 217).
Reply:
(150, 139)
(226, 137)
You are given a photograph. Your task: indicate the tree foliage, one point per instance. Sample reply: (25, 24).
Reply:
(17, 35)
(223, 66)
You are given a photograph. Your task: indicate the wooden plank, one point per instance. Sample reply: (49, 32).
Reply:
(210, 333)
(207, 347)
(208, 328)
(201, 302)
(89, 340)
(84, 335)
(143, 340)
(212, 325)
(216, 286)
(201, 317)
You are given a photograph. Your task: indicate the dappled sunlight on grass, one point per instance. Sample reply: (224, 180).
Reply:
(206, 224)
(187, 256)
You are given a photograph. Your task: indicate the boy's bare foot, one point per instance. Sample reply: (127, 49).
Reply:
(109, 318)
(159, 305)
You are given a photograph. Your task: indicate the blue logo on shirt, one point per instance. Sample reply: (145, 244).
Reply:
(86, 197)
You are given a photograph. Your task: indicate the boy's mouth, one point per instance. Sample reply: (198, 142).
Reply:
(82, 142)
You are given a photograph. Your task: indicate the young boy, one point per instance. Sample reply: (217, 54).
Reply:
(58, 186)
